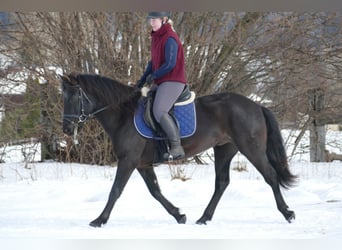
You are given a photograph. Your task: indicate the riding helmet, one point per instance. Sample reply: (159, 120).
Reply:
(158, 14)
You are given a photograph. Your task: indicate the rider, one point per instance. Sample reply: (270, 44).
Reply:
(166, 70)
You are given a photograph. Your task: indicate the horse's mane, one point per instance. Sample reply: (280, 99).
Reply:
(109, 91)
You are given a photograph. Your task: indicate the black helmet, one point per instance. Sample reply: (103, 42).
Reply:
(158, 14)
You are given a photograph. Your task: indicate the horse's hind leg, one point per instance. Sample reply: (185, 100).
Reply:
(223, 156)
(151, 181)
(260, 161)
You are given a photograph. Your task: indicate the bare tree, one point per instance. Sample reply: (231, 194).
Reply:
(278, 57)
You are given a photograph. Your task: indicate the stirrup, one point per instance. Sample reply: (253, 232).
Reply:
(170, 158)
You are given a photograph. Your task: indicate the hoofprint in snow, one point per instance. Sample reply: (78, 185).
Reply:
(58, 200)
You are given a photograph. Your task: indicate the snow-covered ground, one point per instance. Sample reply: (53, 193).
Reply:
(54, 200)
(58, 200)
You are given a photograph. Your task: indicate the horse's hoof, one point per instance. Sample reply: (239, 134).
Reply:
(202, 221)
(182, 219)
(96, 223)
(291, 217)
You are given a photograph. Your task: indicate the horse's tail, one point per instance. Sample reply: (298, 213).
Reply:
(276, 151)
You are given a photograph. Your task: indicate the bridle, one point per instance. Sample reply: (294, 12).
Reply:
(82, 117)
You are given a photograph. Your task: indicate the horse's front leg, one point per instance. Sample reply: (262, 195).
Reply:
(151, 181)
(123, 173)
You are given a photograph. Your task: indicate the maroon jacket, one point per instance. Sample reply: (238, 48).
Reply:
(159, 38)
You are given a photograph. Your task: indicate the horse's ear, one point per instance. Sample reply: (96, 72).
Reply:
(73, 77)
(64, 78)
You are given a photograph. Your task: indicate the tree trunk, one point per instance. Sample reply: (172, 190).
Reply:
(317, 132)
(48, 147)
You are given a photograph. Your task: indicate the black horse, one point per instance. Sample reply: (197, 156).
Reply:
(227, 122)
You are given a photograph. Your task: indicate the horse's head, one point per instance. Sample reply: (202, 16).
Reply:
(78, 107)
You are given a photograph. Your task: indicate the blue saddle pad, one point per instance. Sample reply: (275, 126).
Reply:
(185, 115)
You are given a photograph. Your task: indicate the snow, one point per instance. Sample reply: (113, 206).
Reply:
(53, 200)
(58, 200)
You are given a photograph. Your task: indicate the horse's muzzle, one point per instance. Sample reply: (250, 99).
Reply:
(68, 130)
(68, 127)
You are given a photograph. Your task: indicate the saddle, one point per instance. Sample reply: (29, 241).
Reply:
(183, 112)
(185, 98)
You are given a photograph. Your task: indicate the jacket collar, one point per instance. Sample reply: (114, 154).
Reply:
(165, 28)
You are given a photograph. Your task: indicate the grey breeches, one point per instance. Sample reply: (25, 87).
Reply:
(166, 95)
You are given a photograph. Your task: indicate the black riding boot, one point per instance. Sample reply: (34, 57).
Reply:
(169, 127)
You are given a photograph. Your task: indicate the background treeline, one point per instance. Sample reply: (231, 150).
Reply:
(278, 59)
